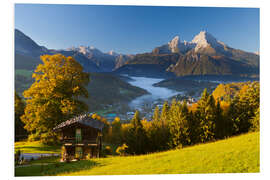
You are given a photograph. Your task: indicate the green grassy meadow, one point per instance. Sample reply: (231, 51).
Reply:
(240, 154)
(36, 147)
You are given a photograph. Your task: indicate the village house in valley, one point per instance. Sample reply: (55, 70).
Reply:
(81, 137)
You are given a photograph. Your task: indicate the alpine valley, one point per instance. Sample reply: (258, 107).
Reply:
(175, 66)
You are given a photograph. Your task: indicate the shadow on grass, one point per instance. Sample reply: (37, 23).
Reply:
(46, 160)
(54, 168)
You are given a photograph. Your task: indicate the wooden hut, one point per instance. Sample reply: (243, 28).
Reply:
(80, 137)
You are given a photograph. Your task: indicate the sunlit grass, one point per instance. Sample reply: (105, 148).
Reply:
(238, 154)
(36, 147)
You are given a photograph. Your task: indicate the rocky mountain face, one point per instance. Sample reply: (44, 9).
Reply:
(174, 46)
(121, 60)
(204, 55)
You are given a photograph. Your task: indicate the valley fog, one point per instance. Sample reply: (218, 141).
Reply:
(156, 93)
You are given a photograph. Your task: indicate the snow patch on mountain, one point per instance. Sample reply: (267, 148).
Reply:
(113, 53)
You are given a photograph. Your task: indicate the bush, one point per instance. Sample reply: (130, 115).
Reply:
(48, 138)
(33, 137)
(108, 150)
(88, 156)
(122, 150)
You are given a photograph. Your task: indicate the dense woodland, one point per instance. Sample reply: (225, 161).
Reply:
(178, 125)
(60, 83)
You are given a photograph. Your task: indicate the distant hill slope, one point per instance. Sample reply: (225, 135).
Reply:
(149, 65)
(26, 46)
(107, 89)
(240, 154)
(26, 62)
(104, 89)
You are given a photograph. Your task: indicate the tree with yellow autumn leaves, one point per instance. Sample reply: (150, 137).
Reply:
(55, 95)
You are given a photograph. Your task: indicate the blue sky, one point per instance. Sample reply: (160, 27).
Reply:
(134, 29)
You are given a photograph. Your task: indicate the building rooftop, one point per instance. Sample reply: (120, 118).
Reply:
(83, 119)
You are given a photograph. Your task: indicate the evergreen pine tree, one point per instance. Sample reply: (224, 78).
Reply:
(194, 127)
(154, 134)
(136, 138)
(163, 132)
(165, 113)
(244, 106)
(178, 124)
(156, 114)
(221, 129)
(206, 114)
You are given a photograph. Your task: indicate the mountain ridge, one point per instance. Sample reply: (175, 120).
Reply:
(177, 56)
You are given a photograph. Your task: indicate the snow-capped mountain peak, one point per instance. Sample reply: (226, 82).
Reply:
(174, 44)
(88, 51)
(83, 49)
(205, 39)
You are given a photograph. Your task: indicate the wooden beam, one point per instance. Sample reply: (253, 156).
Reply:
(68, 144)
(92, 144)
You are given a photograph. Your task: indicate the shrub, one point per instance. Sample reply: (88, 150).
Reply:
(108, 150)
(48, 138)
(122, 150)
(88, 156)
(33, 137)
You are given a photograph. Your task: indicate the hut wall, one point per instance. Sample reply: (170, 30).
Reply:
(89, 133)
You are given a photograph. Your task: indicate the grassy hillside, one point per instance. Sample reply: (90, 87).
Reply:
(23, 80)
(234, 155)
(26, 62)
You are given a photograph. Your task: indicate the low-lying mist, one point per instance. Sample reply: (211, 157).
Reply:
(155, 92)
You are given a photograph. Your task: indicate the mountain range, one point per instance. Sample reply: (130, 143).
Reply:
(28, 52)
(204, 55)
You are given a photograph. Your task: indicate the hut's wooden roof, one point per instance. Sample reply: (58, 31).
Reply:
(82, 119)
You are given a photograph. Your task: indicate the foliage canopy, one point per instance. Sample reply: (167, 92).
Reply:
(55, 94)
